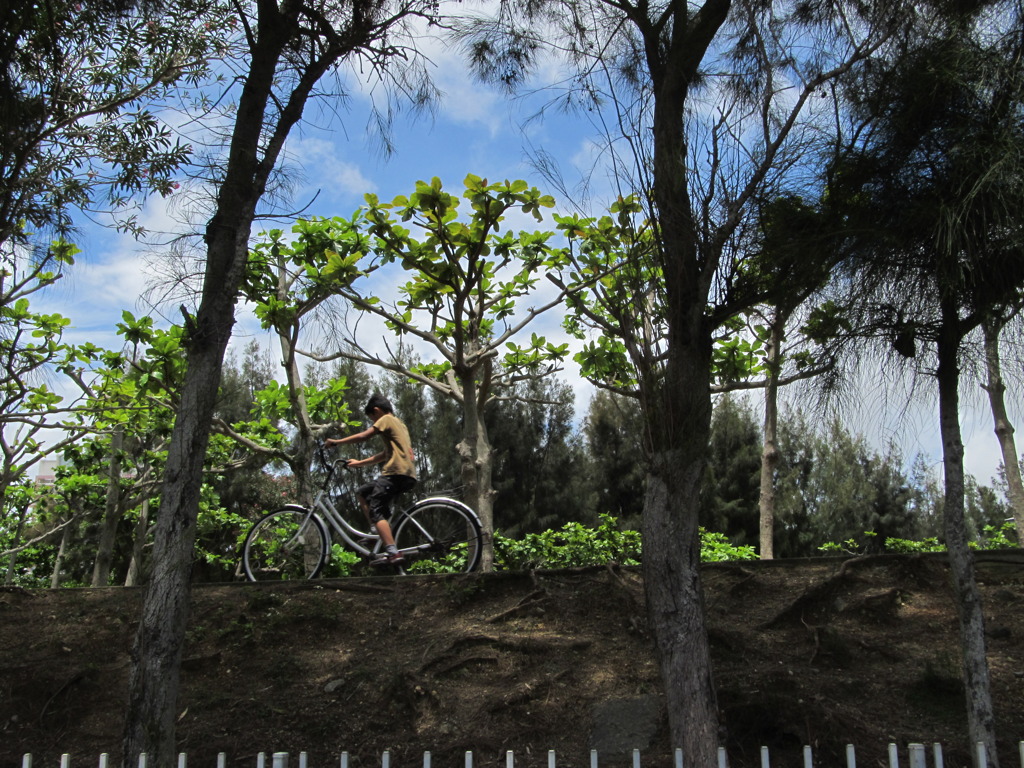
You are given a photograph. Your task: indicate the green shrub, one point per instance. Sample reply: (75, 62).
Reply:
(576, 545)
(715, 548)
(572, 546)
(930, 544)
(341, 563)
(1003, 537)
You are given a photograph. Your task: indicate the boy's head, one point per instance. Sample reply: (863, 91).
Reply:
(376, 401)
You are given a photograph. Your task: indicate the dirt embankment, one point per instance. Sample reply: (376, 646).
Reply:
(805, 652)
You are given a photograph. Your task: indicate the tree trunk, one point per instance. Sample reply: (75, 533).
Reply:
(112, 512)
(159, 642)
(12, 560)
(58, 561)
(477, 466)
(980, 714)
(287, 336)
(257, 139)
(677, 403)
(996, 390)
(135, 568)
(671, 561)
(770, 449)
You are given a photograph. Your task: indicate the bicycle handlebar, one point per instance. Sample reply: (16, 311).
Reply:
(329, 463)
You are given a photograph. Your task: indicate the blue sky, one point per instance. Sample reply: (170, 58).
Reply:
(474, 130)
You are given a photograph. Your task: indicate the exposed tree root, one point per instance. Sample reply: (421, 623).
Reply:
(818, 600)
(528, 603)
(453, 657)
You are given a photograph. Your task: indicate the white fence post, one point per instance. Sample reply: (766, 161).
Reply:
(916, 756)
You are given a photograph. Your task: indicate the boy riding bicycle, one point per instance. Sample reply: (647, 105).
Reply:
(397, 476)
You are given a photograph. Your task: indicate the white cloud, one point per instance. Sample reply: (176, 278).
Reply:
(326, 173)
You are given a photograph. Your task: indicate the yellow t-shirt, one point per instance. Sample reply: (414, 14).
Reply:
(398, 455)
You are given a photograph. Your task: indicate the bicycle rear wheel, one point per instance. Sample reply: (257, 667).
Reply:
(438, 536)
(290, 543)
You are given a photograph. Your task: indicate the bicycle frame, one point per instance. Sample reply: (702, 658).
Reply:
(352, 536)
(367, 543)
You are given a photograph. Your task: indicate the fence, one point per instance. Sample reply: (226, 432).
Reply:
(917, 757)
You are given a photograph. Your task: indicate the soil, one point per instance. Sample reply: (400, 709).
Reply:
(820, 652)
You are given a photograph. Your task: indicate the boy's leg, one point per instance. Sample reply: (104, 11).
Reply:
(384, 531)
(388, 490)
(378, 508)
(363, 494)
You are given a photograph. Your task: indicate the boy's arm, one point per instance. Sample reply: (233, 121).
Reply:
(375, 459)
(359, 437)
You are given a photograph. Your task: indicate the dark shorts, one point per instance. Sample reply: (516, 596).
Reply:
(381, 491)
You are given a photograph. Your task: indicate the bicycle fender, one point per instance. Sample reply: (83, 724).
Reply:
(293, 507)
(445, 500)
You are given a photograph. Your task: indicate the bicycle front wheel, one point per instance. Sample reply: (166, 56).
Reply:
(291, 543)
(439, 536)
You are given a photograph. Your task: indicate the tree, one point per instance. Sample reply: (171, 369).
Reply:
(995, 388)
(31, 346)
(241, 380)
(699, 170)
(857, 493)
(287, 283)
(731, 482)
(750, 351)
(939, 178)
(788, 228)
(76, 87)
(77, 81)
(615, 444)
(465, 301)
(285, 51)
(542, 478)
(793, 535)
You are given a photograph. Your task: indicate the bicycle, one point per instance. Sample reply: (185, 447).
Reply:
(436, 534)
